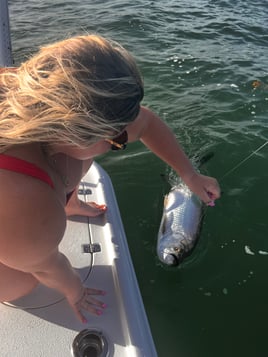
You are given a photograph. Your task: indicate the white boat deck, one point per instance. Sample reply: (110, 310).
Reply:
(42, 325)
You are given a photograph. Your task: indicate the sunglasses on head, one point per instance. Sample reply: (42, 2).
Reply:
(119, 142)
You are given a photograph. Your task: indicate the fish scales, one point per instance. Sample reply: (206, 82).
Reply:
(180, 225)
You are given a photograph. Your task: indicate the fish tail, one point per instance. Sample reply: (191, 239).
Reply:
(205, 158)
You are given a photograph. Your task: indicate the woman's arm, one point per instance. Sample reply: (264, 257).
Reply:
(157, 136)
(56, 272)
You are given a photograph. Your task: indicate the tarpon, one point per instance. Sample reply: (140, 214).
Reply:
(180, 225)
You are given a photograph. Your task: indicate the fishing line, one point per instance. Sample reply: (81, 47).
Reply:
(243, 161)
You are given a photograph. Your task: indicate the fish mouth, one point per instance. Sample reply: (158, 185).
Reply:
(172, 259)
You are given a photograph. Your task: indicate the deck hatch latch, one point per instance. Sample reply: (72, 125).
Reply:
(84, 191)
(91, 248)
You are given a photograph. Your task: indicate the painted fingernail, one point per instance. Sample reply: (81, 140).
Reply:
(104, 306)
(84, 321)
(211, 204)
(103, 292)
(99, 312)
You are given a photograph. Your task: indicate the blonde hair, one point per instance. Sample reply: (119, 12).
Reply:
(74, 91)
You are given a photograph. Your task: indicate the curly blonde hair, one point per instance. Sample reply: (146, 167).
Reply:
(75, 91)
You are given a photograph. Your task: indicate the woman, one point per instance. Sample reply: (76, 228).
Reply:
(72, 101)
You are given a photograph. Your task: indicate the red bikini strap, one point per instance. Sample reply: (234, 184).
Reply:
(24, 167)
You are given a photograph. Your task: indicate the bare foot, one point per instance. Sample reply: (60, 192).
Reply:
(88, 209)
(76, 207)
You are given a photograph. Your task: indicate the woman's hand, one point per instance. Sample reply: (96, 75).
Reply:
(206, 187)
(88, 302)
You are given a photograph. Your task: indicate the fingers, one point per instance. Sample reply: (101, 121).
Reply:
(89, 303)
(212, 194)
(209, 198)
(80, 316)
(92, 305)
(211, 203)
(207, 188)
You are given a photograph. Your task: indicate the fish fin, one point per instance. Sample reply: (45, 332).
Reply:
(163, 226)
(204, 159)
(166, 182)
(165, 201)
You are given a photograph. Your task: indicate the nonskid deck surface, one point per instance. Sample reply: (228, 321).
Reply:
(42, 324)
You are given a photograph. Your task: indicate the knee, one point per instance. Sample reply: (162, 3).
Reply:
(17, 285)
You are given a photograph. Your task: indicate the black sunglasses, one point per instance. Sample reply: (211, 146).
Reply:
(119, 142)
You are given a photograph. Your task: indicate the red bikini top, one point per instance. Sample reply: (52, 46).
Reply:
(20, 166)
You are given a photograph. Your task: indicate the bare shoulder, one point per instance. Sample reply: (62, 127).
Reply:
(32, 222)
(137, 127)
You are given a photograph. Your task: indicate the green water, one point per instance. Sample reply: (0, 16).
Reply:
(199, 60)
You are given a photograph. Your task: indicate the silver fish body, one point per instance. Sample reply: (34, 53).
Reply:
(180, 225)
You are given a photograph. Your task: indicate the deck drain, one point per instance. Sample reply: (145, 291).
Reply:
(90, 343)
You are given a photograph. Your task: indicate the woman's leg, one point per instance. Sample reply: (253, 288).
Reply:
(14, 283)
